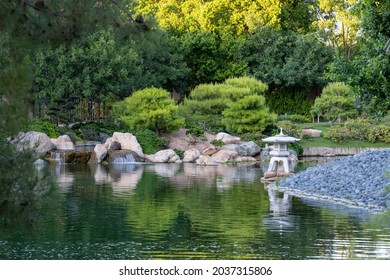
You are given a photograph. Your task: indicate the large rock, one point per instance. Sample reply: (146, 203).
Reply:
(227, 138)
(36, 142)
(245, 149)
(206, 160)
(191, 155)
(128, 142)
(311, 132)
(164, 156)
(101, 152)
(210, 150)
(248, 149)
(112, 145)
(224, 156)
(63, 143)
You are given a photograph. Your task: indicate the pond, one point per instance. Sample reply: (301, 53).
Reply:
(185, 211)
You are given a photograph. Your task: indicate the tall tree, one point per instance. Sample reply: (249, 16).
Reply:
(369, 70)
(236, 17)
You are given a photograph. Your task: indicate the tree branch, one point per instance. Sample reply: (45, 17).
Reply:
(123, 8)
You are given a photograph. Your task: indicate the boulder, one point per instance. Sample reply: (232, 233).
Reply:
(36, 142)
(224, 156)
(63, 143)
(227, 138)
(311, 132)
(191, 155)
(164, 156)
(101, 152)
(210, 150)
(112, 145)
(128, 142)
(245, 149)
(206, 160)
(248, 149)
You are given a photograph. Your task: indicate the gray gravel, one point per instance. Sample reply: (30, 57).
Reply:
(362, 180)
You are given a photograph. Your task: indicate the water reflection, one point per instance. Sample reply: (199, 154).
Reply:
(185, 211)
(280, 204)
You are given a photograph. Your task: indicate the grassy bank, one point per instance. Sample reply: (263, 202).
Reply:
(323, 142)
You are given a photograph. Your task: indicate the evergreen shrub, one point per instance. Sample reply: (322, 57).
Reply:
(337, 134)
(379, 133)
(150, 142)
(44, 126)
(359, 128)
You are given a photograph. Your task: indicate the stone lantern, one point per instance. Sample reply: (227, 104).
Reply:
(280, 153)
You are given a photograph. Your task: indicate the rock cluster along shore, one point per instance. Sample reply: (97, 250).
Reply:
(119, 144)
(362, 180)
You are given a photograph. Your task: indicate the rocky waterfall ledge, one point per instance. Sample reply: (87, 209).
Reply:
(362, 180)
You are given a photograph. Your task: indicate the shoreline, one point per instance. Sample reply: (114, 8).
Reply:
(360, 181)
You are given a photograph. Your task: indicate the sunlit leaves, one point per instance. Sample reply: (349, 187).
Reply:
(150, 108)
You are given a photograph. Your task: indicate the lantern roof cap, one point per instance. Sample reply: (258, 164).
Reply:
(281, 138)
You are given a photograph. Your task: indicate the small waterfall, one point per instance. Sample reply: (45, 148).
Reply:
(129, 158)
(58, 157)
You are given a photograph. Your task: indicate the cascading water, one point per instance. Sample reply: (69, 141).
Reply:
(58, 157)
(129, 158)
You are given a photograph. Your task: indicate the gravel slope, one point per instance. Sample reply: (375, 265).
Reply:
(362, 180)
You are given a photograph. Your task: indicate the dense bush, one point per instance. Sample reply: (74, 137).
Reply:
(386, 119)
(150, 142)
(248, 114)
(235, 105)
(379, 133)
(337, 134)
(44, 126)
(358, 128)
(150, 108)
(297, 148)
(289, 101)
(300, 118)
(336, 102)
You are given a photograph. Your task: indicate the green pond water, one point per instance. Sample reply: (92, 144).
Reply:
(185, 211)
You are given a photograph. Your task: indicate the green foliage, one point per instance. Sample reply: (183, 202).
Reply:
(300, 119)
(255, 86)
(203, 109)
(289, 101)
(218, 143)
(290, 128)
(180, 153)
(211, 57)
(212, 107)
(336, 102)
(150, 108)
(150, 142)
(368, 71)
(358, 128)
(284, 59)
(337, 134)
(386, 119)
(379, 133)
(248, 114)
(297, 148)
(297, 15)
(234, 16)
(44, 126)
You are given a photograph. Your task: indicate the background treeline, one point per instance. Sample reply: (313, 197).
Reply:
(77, 56)
(73, 59)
